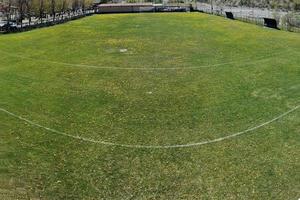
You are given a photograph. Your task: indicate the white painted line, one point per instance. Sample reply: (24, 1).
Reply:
(150, 146)
(244, 62)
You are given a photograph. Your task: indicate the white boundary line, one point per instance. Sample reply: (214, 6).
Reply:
(248, 60)
(150, 146)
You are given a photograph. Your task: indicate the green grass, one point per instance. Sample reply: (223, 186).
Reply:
(150, 106)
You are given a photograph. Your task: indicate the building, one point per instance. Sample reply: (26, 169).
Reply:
(4, 9)
(125, 8)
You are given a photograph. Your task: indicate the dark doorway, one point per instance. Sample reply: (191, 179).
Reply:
(229, 15)
(271, 23)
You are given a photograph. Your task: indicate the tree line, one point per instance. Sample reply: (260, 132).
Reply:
(41, 9)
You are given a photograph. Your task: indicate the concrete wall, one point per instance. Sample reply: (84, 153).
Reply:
(125, 9)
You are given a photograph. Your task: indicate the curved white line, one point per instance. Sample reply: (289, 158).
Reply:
(151, 146)
(248, 60)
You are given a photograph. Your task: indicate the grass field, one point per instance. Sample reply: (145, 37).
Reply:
(98, 108)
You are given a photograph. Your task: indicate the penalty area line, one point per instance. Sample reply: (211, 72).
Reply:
(150, 146)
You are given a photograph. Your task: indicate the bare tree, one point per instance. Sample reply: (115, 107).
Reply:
(53, 13)
(41, 10)
(8, 11)
(21, 10)
(28, 5)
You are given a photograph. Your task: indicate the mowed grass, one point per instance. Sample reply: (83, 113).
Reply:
(185, 78)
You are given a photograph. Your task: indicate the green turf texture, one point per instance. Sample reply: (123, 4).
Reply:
(151, 104)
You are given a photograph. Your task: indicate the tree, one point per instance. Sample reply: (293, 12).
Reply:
(21, 9)
(53, 13)
(41, 10)
(28, 5)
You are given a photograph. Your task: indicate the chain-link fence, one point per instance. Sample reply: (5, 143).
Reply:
(291, 22)
(35, 22)
(286, 20)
